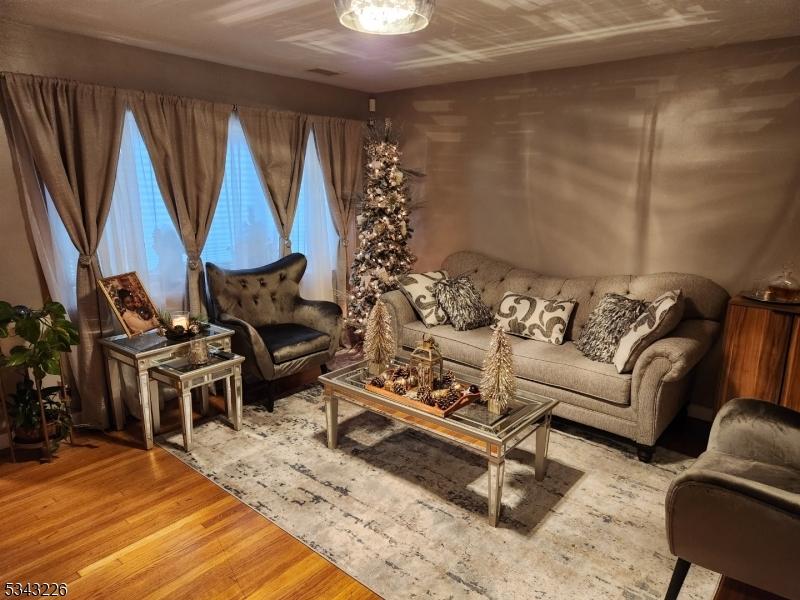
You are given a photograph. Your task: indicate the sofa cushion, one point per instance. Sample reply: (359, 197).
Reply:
(462, 303)
(288, 341)
(418, 288)
(662, 316)
(609, 321)
(534, 318)
(558, 366)
(487, 274)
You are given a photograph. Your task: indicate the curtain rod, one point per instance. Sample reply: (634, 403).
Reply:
(234, 106)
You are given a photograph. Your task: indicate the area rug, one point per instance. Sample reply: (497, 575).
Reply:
(405, 513)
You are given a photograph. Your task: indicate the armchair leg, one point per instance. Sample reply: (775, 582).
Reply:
(678, 576)
(323, 368)
(644, 452)
(270, 401)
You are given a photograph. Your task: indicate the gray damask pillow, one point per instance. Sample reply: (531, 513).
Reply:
(418, 288)
(662, 316)
(608, 322)
(535, 318)
(462, 303)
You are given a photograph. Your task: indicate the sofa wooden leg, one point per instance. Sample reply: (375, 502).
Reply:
(323, 368)
(270, 400)
(644, 452)
(678, 575)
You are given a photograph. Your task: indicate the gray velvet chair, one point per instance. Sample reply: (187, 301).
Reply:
(736, 511)
(278, 332)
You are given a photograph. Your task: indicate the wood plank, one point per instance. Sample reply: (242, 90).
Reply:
(754, 353)
(114, 521)
(790, 396)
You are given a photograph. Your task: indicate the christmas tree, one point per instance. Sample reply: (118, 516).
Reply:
(497, 383)
(379, 343)
(383, 227)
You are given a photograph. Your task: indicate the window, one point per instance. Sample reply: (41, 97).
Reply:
(243, 234)
(313, 232)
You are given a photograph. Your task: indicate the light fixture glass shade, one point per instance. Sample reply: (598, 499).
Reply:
(385, 17)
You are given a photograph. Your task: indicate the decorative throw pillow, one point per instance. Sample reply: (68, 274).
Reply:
(462, 303)
(535, 318)
(418, 288)
(662, 316)
(607, 323)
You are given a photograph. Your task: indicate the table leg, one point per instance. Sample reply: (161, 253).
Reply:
(155, 406)
(185, 402)
(229, 398)
(542, 442)
(332, 418)
(237, 399)
(143, 381)
(113, 380)
(496, 472)
(204, 399)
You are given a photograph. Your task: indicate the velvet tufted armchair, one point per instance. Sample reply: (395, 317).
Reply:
(278, 332)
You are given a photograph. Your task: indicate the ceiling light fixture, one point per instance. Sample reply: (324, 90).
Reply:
(385, 17)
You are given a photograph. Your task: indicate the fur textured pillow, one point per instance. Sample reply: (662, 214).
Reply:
(608, 322)
(462, 303)
(662, 316)
(418, 288)
(535, 318)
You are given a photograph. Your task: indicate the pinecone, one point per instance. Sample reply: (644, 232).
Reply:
(453, 396)
(448, 378)
(425, 395)
(378, 381)
(401, 372)
(399, 389)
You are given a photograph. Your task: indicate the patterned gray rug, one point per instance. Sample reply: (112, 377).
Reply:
(405, 513)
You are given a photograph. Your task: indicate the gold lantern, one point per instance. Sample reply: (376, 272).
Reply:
(428, 361)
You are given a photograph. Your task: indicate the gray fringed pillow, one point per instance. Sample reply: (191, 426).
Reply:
(462, 303)
(609, 321)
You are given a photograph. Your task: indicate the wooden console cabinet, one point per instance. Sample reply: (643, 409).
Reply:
(761, 353)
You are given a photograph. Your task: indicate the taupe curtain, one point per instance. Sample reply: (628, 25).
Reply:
(186, 140)
(277, 141)
(73, 134)
(340, 146)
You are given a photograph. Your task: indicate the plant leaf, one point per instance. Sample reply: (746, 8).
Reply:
(28, 329)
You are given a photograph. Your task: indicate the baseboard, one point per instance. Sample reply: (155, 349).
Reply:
(703, 413)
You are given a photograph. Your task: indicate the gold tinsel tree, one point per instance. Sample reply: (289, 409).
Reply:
(379, 342)
(498, 384)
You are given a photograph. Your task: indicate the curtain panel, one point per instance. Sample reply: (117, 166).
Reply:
(340, 147)
(186, 140)
(277, 142)
(72, 132)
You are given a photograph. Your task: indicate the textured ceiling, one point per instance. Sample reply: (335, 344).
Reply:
(467, 39)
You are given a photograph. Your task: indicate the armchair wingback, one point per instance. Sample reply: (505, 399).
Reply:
(277, 331)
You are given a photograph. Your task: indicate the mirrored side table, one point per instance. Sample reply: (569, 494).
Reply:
(184, 377)
(140, 353)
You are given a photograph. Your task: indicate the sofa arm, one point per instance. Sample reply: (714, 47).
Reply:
(659, 383)
(323, 316)
(400, 310)
(246, 342)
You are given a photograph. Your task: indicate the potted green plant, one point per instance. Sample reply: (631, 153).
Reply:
(45, 334)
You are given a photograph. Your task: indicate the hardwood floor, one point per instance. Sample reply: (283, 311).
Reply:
(113, 521)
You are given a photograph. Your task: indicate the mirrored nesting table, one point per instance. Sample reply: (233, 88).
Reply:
(141, 353)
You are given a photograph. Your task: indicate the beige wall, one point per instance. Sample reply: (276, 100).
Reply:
(40, 51)
(687, 162)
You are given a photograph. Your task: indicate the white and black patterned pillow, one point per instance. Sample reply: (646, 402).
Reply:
(608, 322)
(535, 318)
(462, 303)
(418, 288)
(662, 316)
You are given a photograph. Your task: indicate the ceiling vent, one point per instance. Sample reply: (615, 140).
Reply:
(324, 72)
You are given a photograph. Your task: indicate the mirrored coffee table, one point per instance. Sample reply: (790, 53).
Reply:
(472, 427)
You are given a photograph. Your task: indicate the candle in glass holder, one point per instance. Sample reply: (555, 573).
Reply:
(180, 318)
(198, 352)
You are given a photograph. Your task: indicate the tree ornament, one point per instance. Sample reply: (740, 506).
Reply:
(498, 384)
(379, 342)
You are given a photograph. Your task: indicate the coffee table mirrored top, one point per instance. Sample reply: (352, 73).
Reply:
(472, 426)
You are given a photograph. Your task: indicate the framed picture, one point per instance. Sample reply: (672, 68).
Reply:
(131, 305)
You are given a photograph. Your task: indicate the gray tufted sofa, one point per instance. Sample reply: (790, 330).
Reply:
(278, 332)
(636, 405)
